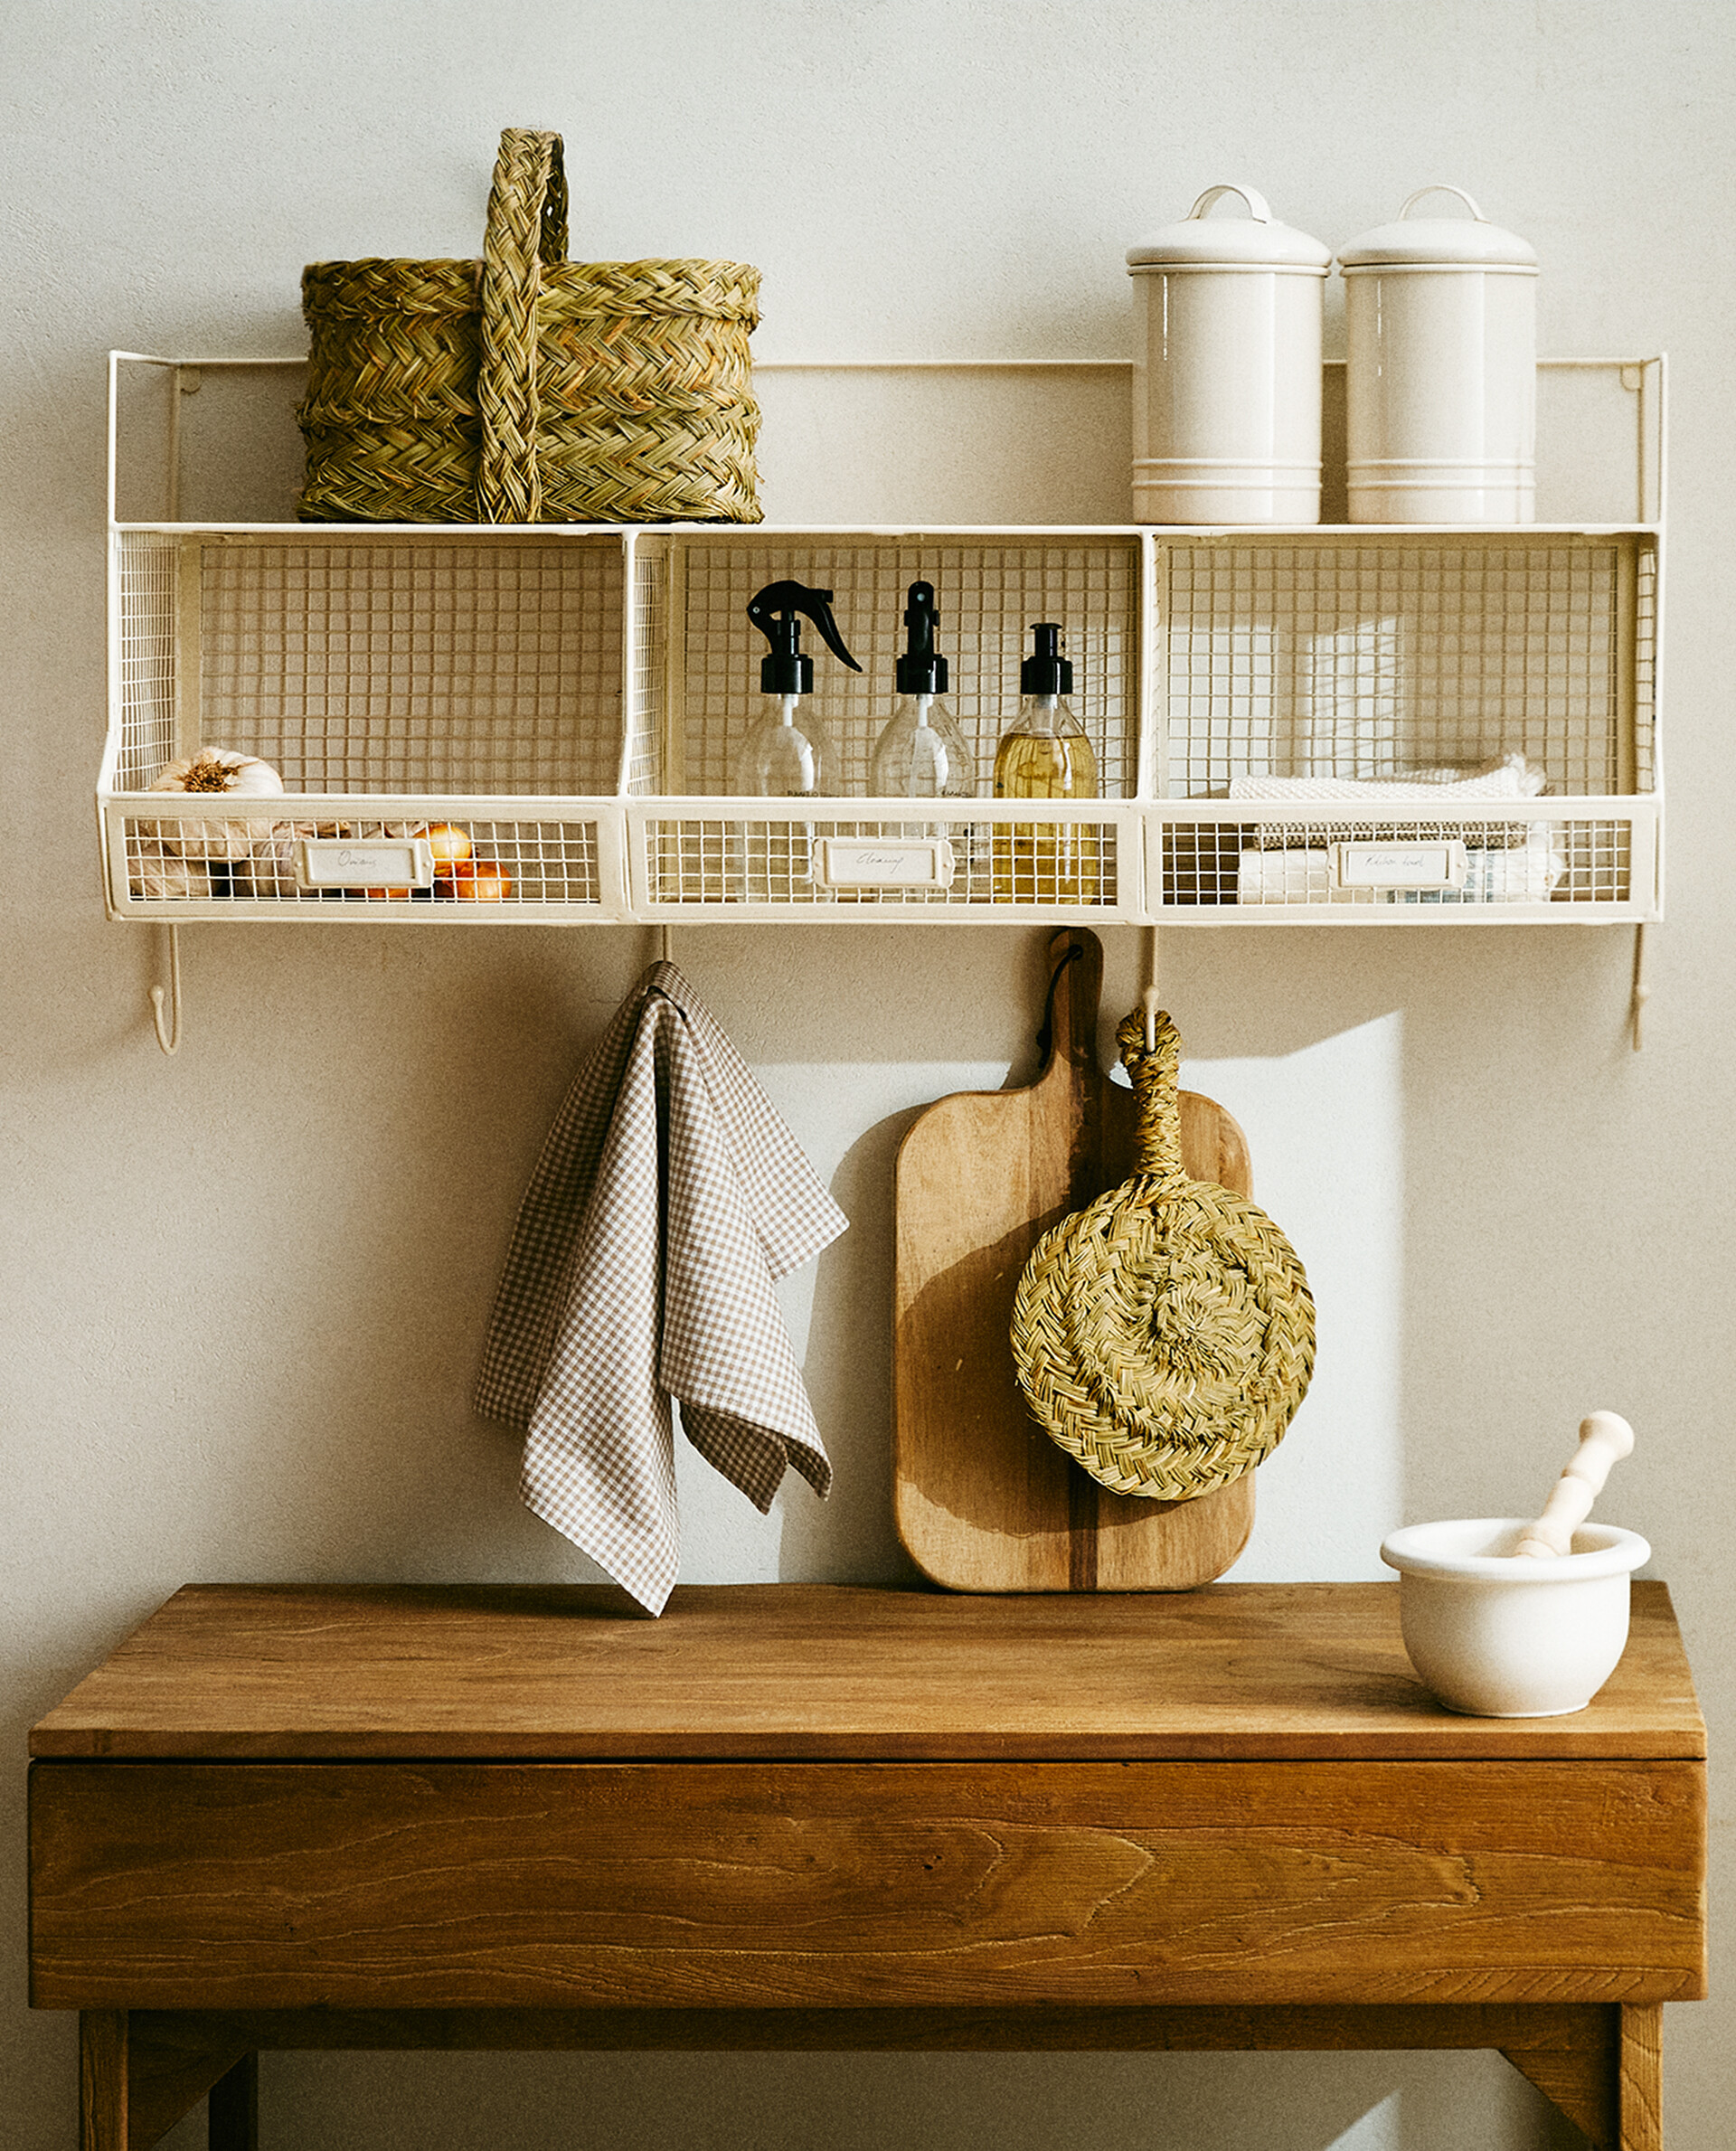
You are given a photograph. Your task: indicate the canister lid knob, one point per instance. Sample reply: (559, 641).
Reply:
(1467, 240)
(1257, 239)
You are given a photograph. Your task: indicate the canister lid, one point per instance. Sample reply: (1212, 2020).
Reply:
(1470, 240)
(1256, 240)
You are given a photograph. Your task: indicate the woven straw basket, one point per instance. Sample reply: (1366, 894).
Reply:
(526, 388)
(1164, 1336)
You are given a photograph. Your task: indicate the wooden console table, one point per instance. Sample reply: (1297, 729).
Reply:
(812, 1816)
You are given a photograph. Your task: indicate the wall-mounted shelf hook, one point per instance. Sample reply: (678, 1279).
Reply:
(169, 1036)
(1641, 992)
(1148, 999)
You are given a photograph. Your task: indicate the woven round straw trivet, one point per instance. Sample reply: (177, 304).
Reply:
(1164, 1335)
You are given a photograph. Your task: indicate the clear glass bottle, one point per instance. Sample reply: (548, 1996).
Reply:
(1044, 754)
(922, 753)
(786, 753)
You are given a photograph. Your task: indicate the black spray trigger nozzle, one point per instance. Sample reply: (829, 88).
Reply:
(776, 611)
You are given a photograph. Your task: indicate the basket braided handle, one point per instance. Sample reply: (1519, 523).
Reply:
(526, 233)
(1155, 1076)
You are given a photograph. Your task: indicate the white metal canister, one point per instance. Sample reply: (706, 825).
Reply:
(1226, 392)
(1441, 371)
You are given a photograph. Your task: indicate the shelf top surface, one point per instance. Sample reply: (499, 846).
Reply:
(818, 1671)
(1248, 534)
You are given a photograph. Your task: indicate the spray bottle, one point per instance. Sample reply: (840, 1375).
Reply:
(788, 752)
(922, 754)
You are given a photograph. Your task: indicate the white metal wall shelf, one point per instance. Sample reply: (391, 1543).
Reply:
(568, 698)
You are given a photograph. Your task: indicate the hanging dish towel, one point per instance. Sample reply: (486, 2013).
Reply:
(668, 1199)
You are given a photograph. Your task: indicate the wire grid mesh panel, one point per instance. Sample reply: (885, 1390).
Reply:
(234, 866)
(1568, 864)
(648, 766)
(1358, 660)
(1052, 865)
(412, 666)
(1643, 776)
(147, 583)
(988, 595)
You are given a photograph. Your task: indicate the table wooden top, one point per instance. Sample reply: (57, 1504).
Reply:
(818, 1671)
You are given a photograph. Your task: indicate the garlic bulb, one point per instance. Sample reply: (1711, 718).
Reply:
(154, 873)
(271, 869)
(214, 769)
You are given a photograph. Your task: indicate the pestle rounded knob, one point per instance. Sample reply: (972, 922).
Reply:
(1605, 1436)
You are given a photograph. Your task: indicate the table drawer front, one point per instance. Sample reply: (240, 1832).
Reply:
(574, 1885)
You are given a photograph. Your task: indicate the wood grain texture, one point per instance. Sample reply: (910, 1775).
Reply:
(693, 1885)
(984, 1501)
(809, 1671)
(1641, 2078)
(1299, 1850)
(104, 2114)
(1574, 2061)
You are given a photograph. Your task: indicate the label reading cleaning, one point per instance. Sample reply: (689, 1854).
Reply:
(902, 863)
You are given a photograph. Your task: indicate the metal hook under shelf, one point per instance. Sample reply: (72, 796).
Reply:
(169, 1037)
(1641, 992)
(1149, 997)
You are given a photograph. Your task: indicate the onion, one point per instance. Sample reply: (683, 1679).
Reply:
(478, 881)
(450, 845)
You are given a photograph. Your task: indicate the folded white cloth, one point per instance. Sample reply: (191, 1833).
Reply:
(1304, 876)
(1513, 777)
(668, 1198)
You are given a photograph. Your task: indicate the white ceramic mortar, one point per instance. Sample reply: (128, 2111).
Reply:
(1498, 1635)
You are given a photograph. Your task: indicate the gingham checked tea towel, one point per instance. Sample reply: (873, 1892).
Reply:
(668, 1197)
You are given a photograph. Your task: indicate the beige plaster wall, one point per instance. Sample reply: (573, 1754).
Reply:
(244, 1289)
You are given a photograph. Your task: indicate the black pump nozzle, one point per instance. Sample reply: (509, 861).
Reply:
(1045, 671)
(787, 669)
(920, 670)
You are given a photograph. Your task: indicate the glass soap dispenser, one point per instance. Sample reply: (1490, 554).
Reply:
(1044, 754)
(922, 754)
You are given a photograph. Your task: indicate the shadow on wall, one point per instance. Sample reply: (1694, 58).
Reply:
(847, 1368)
(888, 2102)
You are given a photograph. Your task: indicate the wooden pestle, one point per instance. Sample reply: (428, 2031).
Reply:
(1605, 1436)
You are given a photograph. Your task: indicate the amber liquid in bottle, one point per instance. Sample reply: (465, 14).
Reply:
(1045, 756)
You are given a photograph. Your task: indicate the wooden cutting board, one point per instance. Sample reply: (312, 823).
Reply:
(984, 1500)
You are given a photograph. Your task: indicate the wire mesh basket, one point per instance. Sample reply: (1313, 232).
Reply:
(1288, 726)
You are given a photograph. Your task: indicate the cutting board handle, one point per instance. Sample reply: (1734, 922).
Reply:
(1075, 989)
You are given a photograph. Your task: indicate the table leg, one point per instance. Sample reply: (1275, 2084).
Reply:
(233, 2107)
(103, 2118)
(1640, 2078)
